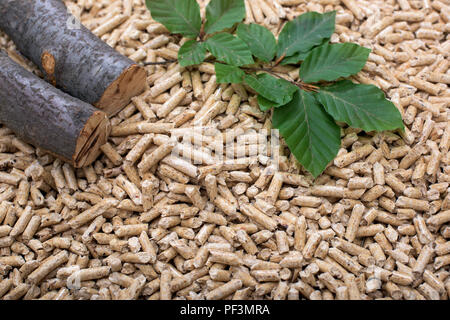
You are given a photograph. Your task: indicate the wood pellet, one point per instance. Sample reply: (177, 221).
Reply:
(142, 222)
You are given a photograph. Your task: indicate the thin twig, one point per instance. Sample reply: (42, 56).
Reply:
(302, 85)
(277, 62)
(202, 33)
(158, 63)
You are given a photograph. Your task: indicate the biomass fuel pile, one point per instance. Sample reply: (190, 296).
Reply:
(143, 223)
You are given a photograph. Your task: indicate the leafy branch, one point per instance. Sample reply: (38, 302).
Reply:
(305, 111)
(302, 85)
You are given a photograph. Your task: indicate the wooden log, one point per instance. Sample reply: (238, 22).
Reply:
(45, 116)
(75, 60)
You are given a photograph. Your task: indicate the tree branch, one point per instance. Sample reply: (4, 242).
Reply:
(302, 85)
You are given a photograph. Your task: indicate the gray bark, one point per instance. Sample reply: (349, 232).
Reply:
(38, 112)
(85, 66)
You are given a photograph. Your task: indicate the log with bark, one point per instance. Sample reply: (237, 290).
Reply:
(48, 118)
(75, 60)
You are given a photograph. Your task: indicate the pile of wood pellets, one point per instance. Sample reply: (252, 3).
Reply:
(140, 223)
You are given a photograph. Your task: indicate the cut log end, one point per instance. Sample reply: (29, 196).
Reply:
(48, 118)
(130, 83)
(68, 58)
(94, 134)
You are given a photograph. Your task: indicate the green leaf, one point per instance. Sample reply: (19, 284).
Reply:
(296, 58)
(177, 16)
(228, 74)
(279, 91)
(222, 14)
(191, 52)
(301, 56)
(310, 133)
(265, 104)
(360, 106)
(260, 40)
(229, 49)
(332, 61)
(305, 32)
